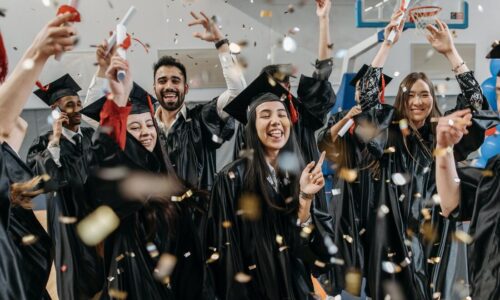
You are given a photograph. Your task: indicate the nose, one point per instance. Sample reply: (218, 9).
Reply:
(418, 99)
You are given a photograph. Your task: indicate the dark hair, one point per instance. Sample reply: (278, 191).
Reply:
(257, 169)
(401, 103)
(169, 61)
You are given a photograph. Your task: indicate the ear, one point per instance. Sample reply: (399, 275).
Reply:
(186, 88)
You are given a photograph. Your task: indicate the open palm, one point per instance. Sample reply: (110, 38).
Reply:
(212, 32)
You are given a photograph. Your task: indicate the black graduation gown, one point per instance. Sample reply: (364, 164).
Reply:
(407, 228)
(479, 195)
(251, 247)
(133, 272)
(34, 260)
(79, 269)
(352, 202)
(315, 100)
(192, 142)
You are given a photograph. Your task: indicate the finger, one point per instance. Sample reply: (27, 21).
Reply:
(205, 16)
(460, 113)
(66, 41)
(61, 31)
(432, 29)
(440, 25)
(194, 15)
(196, 22)
(198, 35)
(308, 167)
(60, 19)
(319, 164)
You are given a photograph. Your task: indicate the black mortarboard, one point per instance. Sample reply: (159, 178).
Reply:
(264, 83)
(138, 98)
(362, 72)
(280, 72)
(495, 51)
(64, 86)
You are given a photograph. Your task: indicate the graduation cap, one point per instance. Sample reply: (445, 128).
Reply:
(264, 86)
(495, 51)
(63, 86)
(280, 72)
(141, 101)
(362, 72)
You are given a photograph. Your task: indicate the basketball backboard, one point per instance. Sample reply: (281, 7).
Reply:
(377, 13)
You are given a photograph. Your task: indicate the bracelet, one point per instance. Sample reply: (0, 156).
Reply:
(306, 196)
(455, 69)
(220, 43)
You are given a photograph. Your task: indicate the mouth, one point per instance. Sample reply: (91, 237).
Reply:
(275, 134)
(147, 142)
(418, 110)
(169, 97)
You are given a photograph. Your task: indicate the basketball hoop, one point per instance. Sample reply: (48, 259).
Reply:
(422, 16)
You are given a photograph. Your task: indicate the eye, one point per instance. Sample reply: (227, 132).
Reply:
(134, 128)
(151, 125)
(176, 80)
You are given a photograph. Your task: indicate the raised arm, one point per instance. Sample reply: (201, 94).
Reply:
(323, 13)
(99, 82)
(15, 91)
(449, 131)
(233, 75)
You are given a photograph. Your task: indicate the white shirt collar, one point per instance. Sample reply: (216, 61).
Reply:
(182, 111)
(69, 134)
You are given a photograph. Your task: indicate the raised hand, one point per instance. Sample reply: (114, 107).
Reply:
(452, 128)
(57, 127)
(440, 37)
(394, 25)
(212, 32)
(323, 8)
(354, 111)
(312, 180)
(54, 39)
(120, 89)
(103, 59)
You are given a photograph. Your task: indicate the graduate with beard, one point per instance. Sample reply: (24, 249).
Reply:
(264, 235)
(61, 153)
(410, 247)
(25, 256)
(152, 224)
(315, 96)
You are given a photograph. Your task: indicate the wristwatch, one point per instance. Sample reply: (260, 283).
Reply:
(220, 43)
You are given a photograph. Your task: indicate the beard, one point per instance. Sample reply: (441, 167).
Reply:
(168, 105)
(75, 118)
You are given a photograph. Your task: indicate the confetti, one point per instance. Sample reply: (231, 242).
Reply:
(153, 251)
(249, 204)
(353, 282)
(463, 237)
(348, 175)
(382, 211)
(319, 264)
(252, 267)
(290, 9)
(390, 267)
(214, 257)
(119, 295)
(336, 192)
(390, 150)
(119, 257)
(332, 248)
(234, 48)
(403, 126)
(29, 239)
(436, 199)
(434, 260)
(402, 197)
(283, 248)
(279, 239)
(266, 13)
(97, 225)
(337, 261)
(306, 231)
(28, 64)
(226, 224)
(348, 238)
(242, 277)
(165, 266)
(289, 44)
(67, 220)
(400, 179)
(112, 174)
(362, 231)
(406, 262)
(64, 268)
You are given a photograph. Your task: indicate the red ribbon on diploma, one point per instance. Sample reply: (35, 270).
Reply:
(69, 9)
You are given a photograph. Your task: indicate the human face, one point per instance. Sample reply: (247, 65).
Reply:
(170, 87)
(71, 105)
(142, 127)
(272, 125)
(420, 103)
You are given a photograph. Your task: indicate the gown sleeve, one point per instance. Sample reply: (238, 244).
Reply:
(215, 130)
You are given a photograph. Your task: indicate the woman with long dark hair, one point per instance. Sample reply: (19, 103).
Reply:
(263, 235)
(156, 231)
(410, 237)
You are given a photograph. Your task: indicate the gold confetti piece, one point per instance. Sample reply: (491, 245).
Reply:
(279, 239)
(29, 239)
(67, 220)
(319, 264)
(336, 192)
(362, 231)
(390, 267)
(97, 225)
(406, 262)
(436, 296)
(348, 175)
(306, 231)
(187, 254)
(226, 224)
(252, 267)
(64, 268)
(463, 237)
(426, 213)
(242, 277)
(214, 257)
(428, 231)
(234, 48)
(434, 260)
(271, 81)
(266, 13)
(186, 195)
(391, 254)
(348, 238)
(390, 150)
(337, 261)
(353, 282)
(382, 211)
(417, 195)
(231, 175)
(120, 257)
(487, 173)
(436, 199)
(249, 204)
(165, 266)
(117, 294)
(153, 251)
(113, 173)
(403, 126)
(402, 197)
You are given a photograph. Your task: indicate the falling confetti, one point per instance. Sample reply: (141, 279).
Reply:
(234, 48)
(353, 282)
(390, 267)
(266, 13)
(348, 238)
(28, 64)
(289, 44)
(29, 239)
(249, 205)
(319, 264)
(400, 179)
(153, 251)
(97, 225)
(214, 257)
(382, 211)
(119, 295)
(403, 126)
(463, 237)
(306, 231)
(242, 277)
(348, 175)
(279, 239)
(165, 266)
